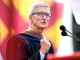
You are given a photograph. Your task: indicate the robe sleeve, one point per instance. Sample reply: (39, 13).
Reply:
(17, 49)
(35, 56)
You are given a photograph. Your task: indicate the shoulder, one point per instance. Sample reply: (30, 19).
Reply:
(17, 39)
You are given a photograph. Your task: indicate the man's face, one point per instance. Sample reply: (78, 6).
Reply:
(38, 21)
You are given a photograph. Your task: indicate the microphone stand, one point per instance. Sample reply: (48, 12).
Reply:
(64, 33)
(73, 36)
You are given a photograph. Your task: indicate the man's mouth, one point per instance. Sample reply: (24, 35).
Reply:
(43, 22)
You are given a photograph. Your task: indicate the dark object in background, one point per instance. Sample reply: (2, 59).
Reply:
(76, 31)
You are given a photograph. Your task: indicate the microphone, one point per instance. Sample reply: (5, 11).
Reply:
(64, 33)
(62, 27)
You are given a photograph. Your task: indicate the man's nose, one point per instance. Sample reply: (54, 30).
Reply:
(44, 17)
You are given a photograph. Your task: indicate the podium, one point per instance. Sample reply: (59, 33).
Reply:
(74, 56)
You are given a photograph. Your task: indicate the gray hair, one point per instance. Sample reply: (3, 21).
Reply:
(34, 6)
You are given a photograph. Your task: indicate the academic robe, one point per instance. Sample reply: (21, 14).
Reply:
(25, 46)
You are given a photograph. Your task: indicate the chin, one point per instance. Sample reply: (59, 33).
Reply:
(43, 27)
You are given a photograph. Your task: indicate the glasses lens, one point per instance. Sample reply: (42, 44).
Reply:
(41, 14)
(48, 15)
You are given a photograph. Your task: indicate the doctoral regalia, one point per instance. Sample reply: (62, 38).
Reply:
(25, 46)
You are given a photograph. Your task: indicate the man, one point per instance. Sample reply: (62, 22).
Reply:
(31, 44)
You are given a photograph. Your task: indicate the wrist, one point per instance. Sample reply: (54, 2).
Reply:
(42, 51)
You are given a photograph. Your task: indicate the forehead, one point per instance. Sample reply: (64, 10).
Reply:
(43, 9)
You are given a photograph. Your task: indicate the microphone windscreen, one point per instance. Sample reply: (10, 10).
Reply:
(62, 27)
(64, 33)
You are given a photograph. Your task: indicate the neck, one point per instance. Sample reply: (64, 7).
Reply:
(37, 30)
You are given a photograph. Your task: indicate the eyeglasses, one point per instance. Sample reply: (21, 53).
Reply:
(41, 14)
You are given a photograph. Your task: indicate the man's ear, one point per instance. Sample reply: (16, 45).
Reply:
(30, 18)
